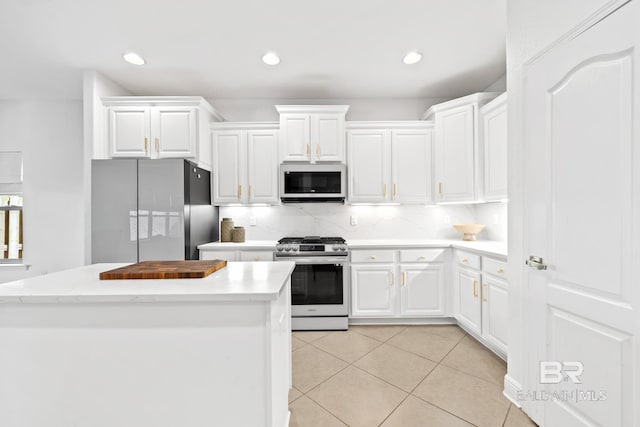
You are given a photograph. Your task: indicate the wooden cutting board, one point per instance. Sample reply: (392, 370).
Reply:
(165, 270)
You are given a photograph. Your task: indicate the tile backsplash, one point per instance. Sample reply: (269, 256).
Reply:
(373, 222)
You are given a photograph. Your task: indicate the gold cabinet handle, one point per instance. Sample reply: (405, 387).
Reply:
(372, 257)
(475, 289)
(249, 191)
(239, 191)
(393, 279)
(421, 257)
(307, 149)
(317, 150)
(484, 292)
(157, 145)
(403, 281)
(256, 258)
(440, 188)
(384, 190)
(146, 145)
(465, 260)
(395, 190)
(500, 271)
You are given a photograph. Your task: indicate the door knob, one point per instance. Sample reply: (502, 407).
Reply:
(536, 263)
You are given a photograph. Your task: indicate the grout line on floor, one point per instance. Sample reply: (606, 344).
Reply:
(507, 415)
(368, 336)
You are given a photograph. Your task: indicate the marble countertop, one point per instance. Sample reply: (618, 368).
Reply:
(484, 247)
(249, 244)
(236, 282)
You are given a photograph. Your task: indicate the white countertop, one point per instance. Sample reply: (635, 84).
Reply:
(484, 247)
(237, 281)
(249, 244)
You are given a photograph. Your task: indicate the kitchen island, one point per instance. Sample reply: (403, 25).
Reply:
(77, 351)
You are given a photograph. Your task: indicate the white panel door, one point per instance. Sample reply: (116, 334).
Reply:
(468, 307)
(369, 166)
(262, 150)
(582, 205)
(454, 155)
(174, 131)
(294, 137)
(229, 160)
(129, 131)
(327, 137)
(495, 311)
(494, 138)
(411, 166)
(373, 290)
(422, 289)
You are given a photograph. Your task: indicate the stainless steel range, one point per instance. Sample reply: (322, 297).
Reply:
(319, 287)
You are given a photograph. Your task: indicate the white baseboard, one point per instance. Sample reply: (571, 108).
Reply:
(402, 321)
(511, 390)
(286, 424)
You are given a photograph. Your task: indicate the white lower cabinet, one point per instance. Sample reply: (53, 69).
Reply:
(243, 255)
(373, 290)
(481, 298)
(383, 287)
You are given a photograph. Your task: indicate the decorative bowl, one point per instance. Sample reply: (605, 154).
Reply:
(469, 231)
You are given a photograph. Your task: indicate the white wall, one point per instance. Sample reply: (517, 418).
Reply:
(49, 133)
(531, 27)
(262, 109)
(328, 219)
(499, 85)
(488, 214)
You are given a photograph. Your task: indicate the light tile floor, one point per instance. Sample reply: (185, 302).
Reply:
(398, 376)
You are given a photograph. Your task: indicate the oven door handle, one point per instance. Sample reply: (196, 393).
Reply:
(340, 260)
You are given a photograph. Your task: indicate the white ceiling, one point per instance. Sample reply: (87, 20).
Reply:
(329, 48)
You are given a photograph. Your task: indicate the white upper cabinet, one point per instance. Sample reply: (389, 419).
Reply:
(493, 118)
(312, 133)
(390, 162)
(158, 127)
(458, 155)
(245, 159)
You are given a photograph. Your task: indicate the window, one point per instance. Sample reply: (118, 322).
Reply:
(10, 207)
(11, 228)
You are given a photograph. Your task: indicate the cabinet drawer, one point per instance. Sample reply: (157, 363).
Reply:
(494, 267)
(422, 255)
(468, 259)
(372, 256)
(256, 256)
(225, 255)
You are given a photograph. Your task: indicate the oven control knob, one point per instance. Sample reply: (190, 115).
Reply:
(335, 247)
(294, 249)
(343, 248)
(279, 248)
(287, 248)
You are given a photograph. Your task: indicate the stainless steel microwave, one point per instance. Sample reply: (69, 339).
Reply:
(313, 183)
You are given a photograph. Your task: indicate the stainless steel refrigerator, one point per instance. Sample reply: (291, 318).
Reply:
(150, 210)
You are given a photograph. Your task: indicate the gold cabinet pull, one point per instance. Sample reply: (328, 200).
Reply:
(421, 258)
(403, 281)
(393, 279)
(146, 145)
(440, 188)
(475, 289)
(256, 258)
(465, 260)
(384, 190)
(239, 191)
(395, 190)
(500, 271)
(372, 257)
(484, 292)
(249, 191)
(157, 145)
(317, 150)
(307, 149)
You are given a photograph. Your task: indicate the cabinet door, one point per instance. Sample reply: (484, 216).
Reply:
(369, 158)
(422, 289)
(174, 132)
(294, 137)
(256, 255)
(327, 137)
(262, 149)
(454, 155)
(495, 300)
(411, 166)
(228, 170)
(129, 131)
(373, 290)
(494, 137)
(468, 306)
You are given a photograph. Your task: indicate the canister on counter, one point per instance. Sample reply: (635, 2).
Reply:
(226, 230)
(238, 234)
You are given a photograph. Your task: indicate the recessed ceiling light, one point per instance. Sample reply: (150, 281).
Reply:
(412, 57)
(270, 58)
(133, 58)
